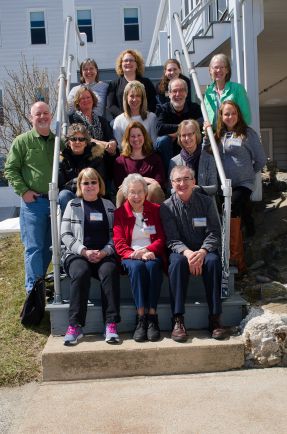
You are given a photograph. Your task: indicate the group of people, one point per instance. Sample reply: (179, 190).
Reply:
(134, 190)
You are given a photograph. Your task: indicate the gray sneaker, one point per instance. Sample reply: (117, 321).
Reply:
(72, 335)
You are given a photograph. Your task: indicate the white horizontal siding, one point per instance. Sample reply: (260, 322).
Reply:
(107, 23)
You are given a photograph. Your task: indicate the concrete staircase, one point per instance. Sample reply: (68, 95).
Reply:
(93, 358)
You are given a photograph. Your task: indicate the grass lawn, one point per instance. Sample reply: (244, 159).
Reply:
(20, 347)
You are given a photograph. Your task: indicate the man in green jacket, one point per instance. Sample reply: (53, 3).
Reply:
(29, 170)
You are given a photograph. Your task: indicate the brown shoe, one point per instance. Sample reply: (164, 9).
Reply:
(179, 332)
(215, 328)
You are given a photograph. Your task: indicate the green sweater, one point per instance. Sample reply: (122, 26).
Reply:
(232, 91)
(29, 162)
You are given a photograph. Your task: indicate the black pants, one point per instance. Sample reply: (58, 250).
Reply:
(80, 272)
(241, 206)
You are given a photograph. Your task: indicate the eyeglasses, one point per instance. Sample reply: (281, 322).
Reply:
(89, 182)
(180, 180)
(77, 139)
(128, 60)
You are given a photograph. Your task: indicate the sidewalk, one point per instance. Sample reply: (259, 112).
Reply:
(234, 402)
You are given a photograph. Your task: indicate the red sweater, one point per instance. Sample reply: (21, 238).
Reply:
(124, 222)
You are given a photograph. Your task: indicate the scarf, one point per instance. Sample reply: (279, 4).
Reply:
(192, 160)
(94, 128)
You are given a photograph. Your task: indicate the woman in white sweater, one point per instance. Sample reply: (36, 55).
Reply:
(135, 109)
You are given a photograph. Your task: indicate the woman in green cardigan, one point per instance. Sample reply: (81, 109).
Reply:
(222, 89)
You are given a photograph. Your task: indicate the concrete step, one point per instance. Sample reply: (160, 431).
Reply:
(196, 315)
(93, 358)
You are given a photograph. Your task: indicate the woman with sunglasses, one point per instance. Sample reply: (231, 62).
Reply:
(86, 232)
(89, 77)
(77, 155)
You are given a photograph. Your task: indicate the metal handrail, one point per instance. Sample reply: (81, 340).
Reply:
(225, 183)
(64, 85)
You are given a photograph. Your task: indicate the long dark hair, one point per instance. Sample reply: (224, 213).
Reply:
(240, 129)
(163, 84)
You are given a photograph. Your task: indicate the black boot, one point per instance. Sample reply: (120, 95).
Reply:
(153, 332)
(140, 333)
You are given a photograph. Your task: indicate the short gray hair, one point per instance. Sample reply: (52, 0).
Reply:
(133, 177)
(180, 169)
(173, 80)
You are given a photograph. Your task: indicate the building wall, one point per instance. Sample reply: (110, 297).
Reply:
(107, 21)
(276, 118)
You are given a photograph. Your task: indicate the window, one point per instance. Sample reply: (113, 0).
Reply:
(131, 24)
(84, 19)
(38, 32)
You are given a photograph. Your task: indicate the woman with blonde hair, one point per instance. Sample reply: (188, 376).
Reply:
(129, 67)
(135, 109)
(86, 232)
(138, 156)
(193, 156)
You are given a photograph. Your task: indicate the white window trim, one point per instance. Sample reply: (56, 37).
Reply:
(270, 140)
(139, 21)
(29, 26)
(88, 8)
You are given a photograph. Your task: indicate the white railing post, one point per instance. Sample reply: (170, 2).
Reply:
(225, 183)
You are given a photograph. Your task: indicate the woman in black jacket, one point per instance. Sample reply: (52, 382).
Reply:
(78, 154)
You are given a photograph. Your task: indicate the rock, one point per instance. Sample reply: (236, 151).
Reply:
(257, 265)
(262, 279)
(273, 290)
(265, 338)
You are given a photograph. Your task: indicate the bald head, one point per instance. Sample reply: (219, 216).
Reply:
(41, 117)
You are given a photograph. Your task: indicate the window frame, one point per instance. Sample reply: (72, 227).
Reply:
(92, 23)
(45, 25)
(138, 23)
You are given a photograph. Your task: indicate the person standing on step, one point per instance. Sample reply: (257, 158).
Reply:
(29, 170)
(86, 231)
(242, 155)
(192, 233)
(140, 243)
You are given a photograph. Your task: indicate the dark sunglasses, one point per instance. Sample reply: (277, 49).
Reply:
(89, 182)
(77, 139)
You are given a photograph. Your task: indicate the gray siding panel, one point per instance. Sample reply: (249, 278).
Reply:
(276, 118)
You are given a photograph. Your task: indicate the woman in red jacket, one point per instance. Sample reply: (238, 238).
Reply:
(139, 241)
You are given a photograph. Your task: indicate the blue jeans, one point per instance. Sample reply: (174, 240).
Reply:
(178, 273)
(164, 146)
(35, 225)
(146, 279)
(64, 197)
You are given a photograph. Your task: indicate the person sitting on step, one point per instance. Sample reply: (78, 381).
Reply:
(86, 231)
(140, 243)
(192, 232)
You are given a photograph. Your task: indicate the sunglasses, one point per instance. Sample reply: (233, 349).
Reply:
(77, 139)
(89, 182)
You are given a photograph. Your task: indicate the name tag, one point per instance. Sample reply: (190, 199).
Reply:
(233, 141)
(149, 229)
(199, 222)
(96, 217)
